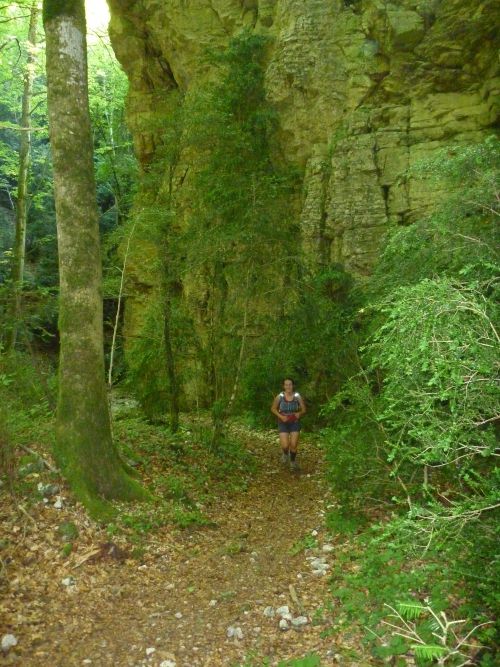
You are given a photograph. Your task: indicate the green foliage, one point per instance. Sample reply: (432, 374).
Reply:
(307, 542)
(429, 383)
(27, 394)
(307, 661)
(403, 602)
(36, 324)
(116, 168)
(38, 317)
(68, 531)
(438, 351)
(239, 230)
(184, 474)
(431, 637)
(27, 384)
(307, 338)
(66, 549)
(147, 375)
(115, 172)
(410, 611)
(7, 459)
(223, 232)
(355, 454)
(429, 651)
(415, 426)
(115, 164)
(375, 570)
(347, 520)
(173, 488)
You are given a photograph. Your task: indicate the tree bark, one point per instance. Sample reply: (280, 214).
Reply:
(173, 385)
(84, 449)
(22, 183)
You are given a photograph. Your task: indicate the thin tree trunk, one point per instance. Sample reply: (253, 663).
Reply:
(222, 415)
(171, 372)
(241, 355)
(22, 183)
(84, 445)
(173, 383)
(118, 309)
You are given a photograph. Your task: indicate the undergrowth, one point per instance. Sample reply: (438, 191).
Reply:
(376, 583)
(412, 437)
(183, 471)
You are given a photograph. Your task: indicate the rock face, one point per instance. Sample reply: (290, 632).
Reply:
(364, 90)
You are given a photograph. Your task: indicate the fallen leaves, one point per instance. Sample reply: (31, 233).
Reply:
(188, 588)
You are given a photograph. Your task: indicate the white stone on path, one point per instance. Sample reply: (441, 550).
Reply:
(8, 641)
(283, 625)
(68, 581)
(150, 650)
(269, 612)
(283, 610)
(234, 632)
(299, 621)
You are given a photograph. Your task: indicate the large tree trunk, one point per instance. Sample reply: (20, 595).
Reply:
(22, 183)
(85, 447)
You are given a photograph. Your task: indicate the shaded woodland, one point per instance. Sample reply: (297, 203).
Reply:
(140, 400)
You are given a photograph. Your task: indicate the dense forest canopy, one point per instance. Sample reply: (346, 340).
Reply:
(236, 251)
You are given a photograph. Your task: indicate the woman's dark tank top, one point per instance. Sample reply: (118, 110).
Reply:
(287, 407)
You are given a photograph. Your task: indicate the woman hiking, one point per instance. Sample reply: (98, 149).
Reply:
(289, 407)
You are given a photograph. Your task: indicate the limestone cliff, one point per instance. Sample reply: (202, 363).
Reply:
(364, 89)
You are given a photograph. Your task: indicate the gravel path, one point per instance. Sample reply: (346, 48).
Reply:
(207, 597)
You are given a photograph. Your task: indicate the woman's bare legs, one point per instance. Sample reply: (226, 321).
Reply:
(284, 442)
(294, 441)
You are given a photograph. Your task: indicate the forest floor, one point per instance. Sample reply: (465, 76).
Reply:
(265, 546)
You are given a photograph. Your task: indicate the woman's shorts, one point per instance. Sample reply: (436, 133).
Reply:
(289, 427)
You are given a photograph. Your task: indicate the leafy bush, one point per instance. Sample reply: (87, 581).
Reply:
(31, 377)
(7, 459)
(308, 341)
(417, 425)
(147, 373)
(355, 453)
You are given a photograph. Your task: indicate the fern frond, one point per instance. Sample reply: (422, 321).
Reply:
(429, 651)
(410, 610)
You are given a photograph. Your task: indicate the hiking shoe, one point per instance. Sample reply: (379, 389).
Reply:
(294, 466)
(284, 457)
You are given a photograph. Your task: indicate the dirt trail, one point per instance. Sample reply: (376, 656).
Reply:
(194, 585)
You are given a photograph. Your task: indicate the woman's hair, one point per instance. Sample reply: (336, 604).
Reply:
(291, 380)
